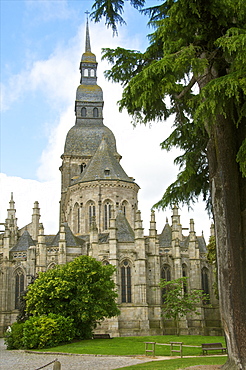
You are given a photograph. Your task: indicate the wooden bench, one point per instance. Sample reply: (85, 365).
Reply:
(213, 347)
(101, 336)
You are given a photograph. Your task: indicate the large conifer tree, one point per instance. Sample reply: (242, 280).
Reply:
(197, 58)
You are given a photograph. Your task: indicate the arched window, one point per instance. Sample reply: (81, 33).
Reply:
(19, 287)
(92, 73)
(92, 213)
(124, 207)
(82, 167)
(76, 219)
(126, 284)
(107, 215)
(83, 112)
(205, 284)
(166, 275)
(86, 73)
(51, 266)
(95, 112)
(184, 274)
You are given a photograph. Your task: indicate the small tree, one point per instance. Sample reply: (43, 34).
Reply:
(212, 259)
(178, 303)
(82, 289)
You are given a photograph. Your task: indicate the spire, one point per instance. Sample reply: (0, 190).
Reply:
(11, 202)
(87, 38)
(11, 210)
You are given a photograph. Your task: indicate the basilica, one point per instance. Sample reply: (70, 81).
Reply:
(99, 217)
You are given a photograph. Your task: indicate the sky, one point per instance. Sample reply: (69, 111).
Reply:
(41, 43)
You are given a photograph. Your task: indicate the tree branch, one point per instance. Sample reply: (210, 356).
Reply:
(187, 88)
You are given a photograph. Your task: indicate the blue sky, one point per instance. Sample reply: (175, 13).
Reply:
(41, 45)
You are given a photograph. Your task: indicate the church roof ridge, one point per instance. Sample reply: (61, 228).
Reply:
(25, 241)
(104, 166)
(124, 232)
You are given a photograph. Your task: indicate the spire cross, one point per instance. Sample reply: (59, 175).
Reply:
(87, 13)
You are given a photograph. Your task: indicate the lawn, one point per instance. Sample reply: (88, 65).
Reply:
(176, 364)
(130, 346)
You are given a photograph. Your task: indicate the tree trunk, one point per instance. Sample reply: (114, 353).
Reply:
(228, 190)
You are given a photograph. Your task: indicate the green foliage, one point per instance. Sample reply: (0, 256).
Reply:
(82, 289)
(178, 363)
(13, 337)
(40, 332)
(177, 302)
(194, 69)
(47, 331)
(112, 11)
(212, 259)
(23, 315)
(211, 247)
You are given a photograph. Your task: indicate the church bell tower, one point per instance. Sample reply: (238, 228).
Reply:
(93, 183)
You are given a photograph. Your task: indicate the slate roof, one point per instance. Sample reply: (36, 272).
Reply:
(165, 238)
(84, 139)
(124, 231)
(103, 238)
(71, 239)
(104, 166)
(49, 239)
(202, 244)
(25, 241)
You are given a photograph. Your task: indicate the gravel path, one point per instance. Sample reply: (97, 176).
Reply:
(20, 360)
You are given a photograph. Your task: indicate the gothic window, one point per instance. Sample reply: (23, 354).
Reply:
(126, 285)
(107, 215)
(166, 275)
(76, 219)
(83, 112)
(82, 167)
(124, 208)
(95, 112)
(184, 274)
(205, 283)
(19, 287)
(92, 212)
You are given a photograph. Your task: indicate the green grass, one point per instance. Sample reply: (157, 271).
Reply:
(135, 345)
(178, 363)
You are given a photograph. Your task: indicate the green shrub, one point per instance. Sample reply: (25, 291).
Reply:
(13, 337)
(47, 331)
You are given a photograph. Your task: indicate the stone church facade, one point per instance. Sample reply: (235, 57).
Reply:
(99, 217)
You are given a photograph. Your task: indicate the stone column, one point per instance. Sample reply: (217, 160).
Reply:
(153, 280)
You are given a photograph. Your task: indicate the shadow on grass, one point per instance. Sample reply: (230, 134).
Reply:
(180, 363)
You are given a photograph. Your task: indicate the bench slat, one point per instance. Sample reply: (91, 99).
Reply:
(213, 347)
(101, 336)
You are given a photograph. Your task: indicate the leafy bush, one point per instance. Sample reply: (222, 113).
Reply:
(47, 331)
(82, 289)
(13, 337)
(40, 332)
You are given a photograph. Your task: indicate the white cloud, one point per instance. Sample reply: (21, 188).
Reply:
(26, 192)
(57, 77)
